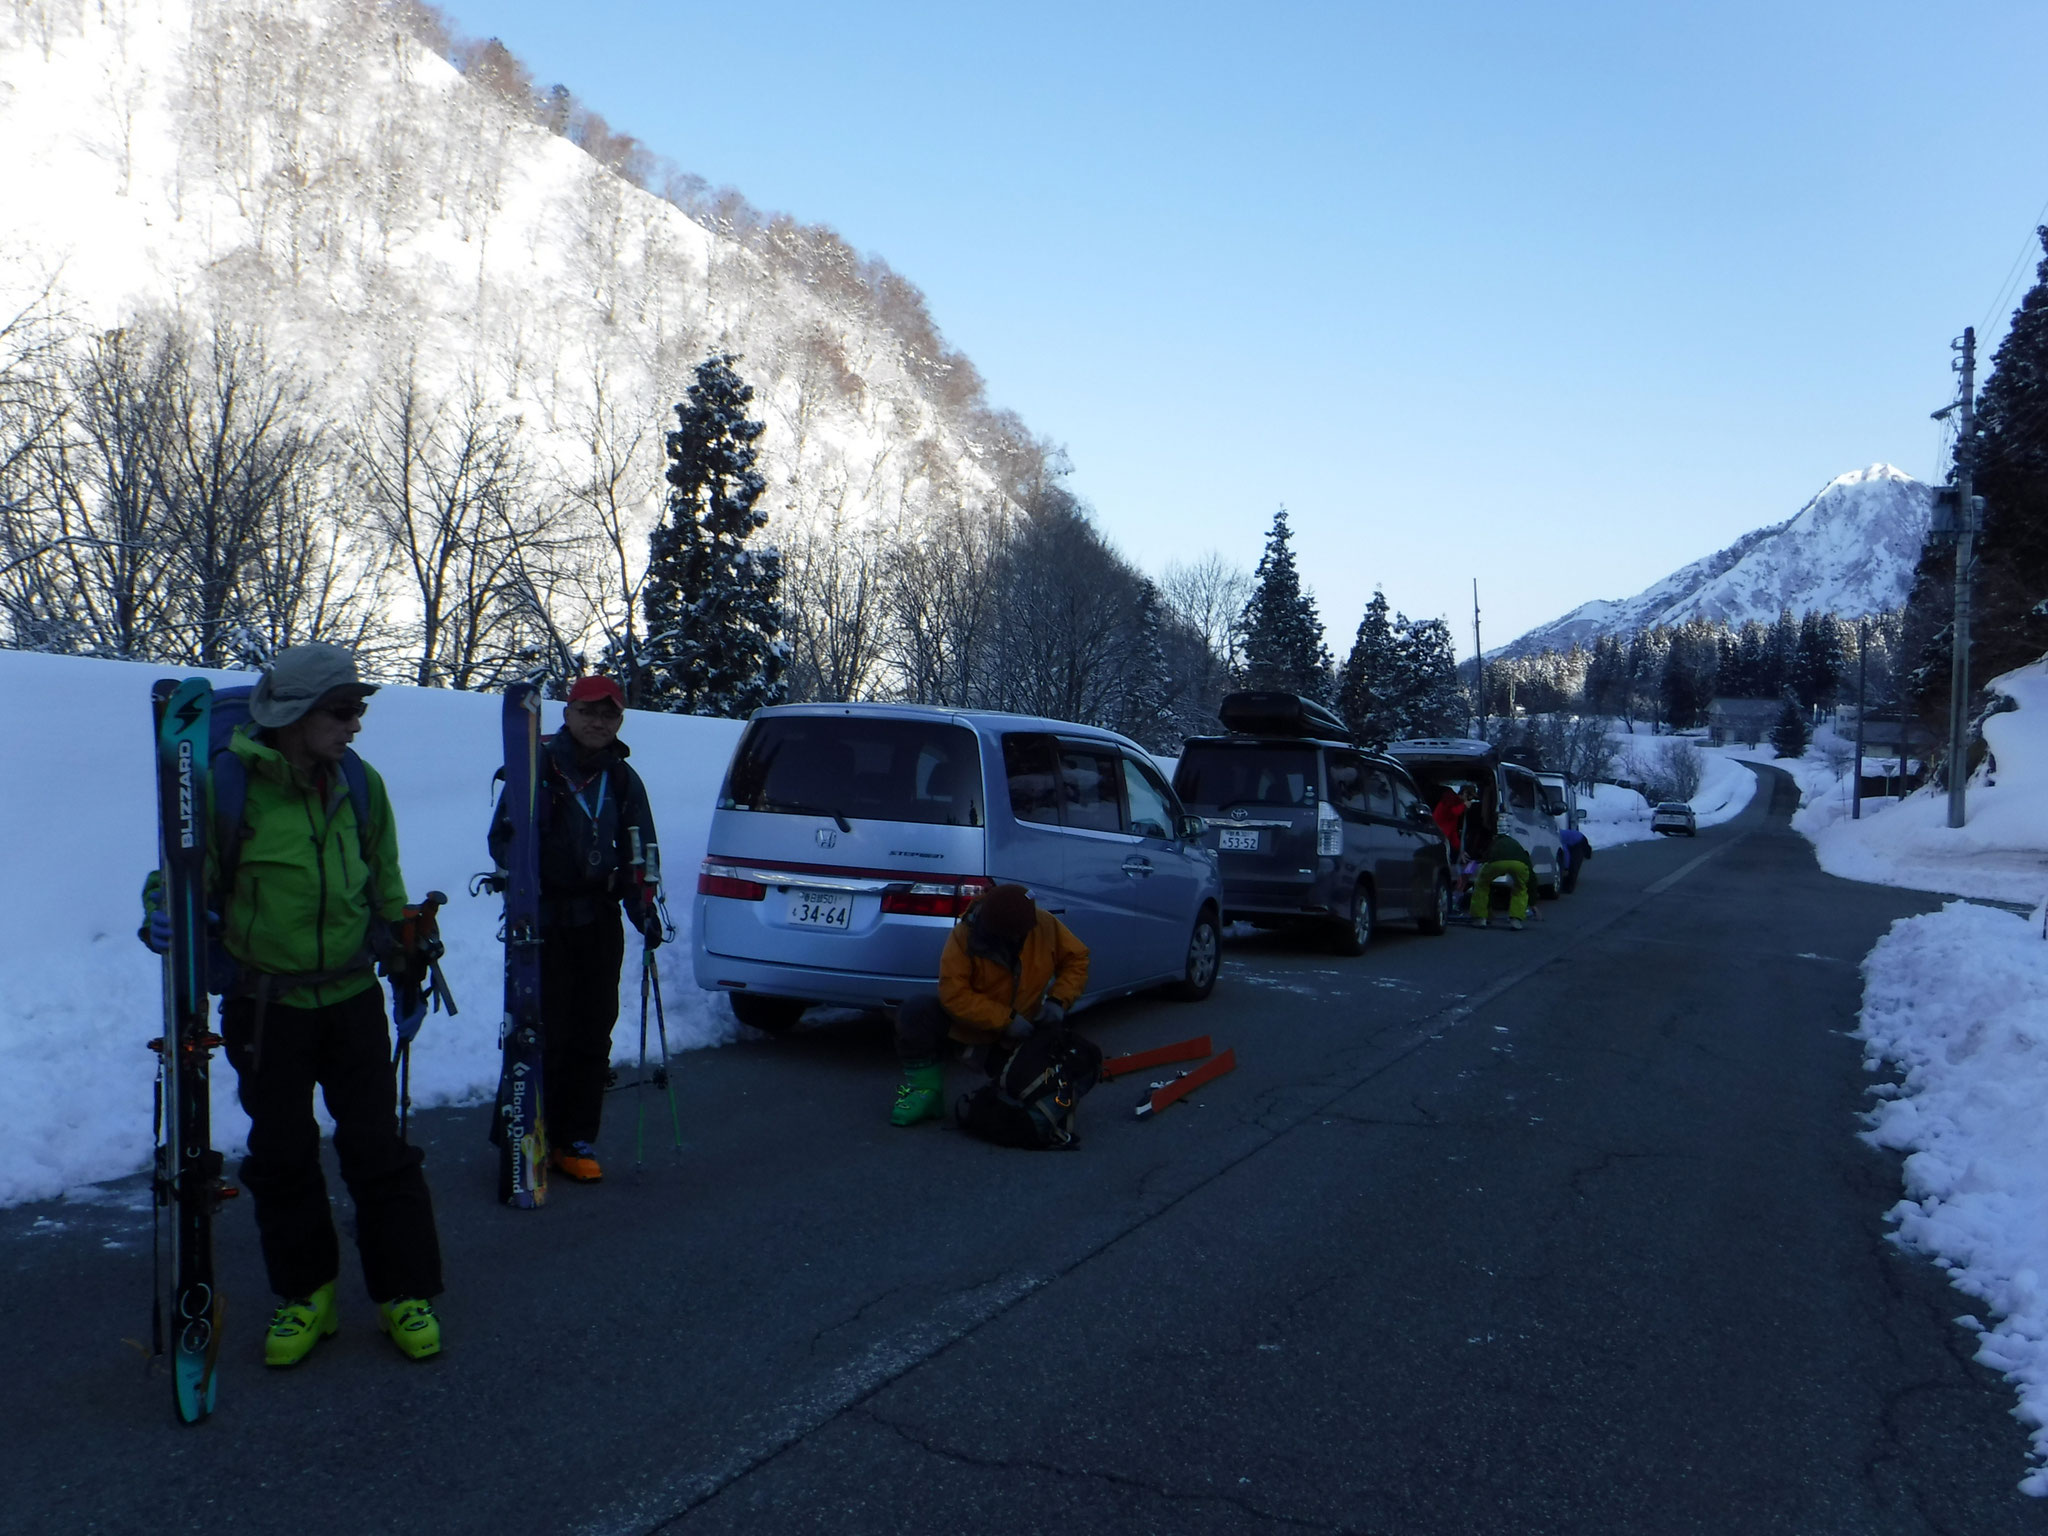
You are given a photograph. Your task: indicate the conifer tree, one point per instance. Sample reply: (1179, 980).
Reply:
(1369, 680)
(1791, 734)
(1432, 703)
(2009, 467)
(713, 628)
(1781, 657)
(1607, 677)
(1687, 686)
(1822, 660)
(1283, 637)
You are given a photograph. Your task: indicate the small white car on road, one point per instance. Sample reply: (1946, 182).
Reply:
(1674, 817)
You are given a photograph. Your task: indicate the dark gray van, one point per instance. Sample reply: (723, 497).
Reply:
(1308, 828)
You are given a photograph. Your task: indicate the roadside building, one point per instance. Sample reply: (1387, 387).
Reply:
(1744, 722)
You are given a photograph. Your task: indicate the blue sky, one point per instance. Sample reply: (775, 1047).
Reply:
(1557, 297)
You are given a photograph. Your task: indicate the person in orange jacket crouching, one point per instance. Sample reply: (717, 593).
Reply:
(1008, 969)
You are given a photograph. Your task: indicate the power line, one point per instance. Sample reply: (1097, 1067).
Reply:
(2012, 277)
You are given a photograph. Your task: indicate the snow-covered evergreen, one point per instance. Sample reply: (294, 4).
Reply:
(713, 642)
(1400, 679)
(1283, 636)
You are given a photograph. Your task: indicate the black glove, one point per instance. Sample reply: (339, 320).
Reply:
(653, 930)
(1019, 1028)
(1051, 1013)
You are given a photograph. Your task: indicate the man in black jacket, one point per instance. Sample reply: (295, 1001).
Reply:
(596, 842)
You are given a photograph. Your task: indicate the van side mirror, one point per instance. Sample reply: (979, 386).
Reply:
(1193, 829)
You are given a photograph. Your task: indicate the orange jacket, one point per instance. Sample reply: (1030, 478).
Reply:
(981, 992)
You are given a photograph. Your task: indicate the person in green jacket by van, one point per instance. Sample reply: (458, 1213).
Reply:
(1507, 859)
(304, 923)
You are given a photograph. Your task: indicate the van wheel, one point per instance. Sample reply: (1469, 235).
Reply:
(1205, 959)
(1437, 916)
(770, 1015)
(1351, 938)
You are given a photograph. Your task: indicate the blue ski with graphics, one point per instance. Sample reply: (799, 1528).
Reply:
(188, 1170)
(520, 1129)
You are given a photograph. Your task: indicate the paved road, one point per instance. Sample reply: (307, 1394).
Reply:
(1564, 1230)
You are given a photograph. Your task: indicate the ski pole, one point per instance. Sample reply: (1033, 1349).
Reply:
(640, 1087)
(404, 1086)
(661, 1023)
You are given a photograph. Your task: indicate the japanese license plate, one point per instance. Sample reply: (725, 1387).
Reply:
(1239, 840)
(821, 909)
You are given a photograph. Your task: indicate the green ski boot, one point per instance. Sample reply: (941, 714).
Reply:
(922, 1094)
(298, 1325)
(412, 1326)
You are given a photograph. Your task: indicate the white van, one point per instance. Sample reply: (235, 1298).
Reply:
(849, 838)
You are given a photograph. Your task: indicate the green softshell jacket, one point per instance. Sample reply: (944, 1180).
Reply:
(303, 899)
(1505, 850)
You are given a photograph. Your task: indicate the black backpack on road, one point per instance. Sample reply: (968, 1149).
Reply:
(1032, 1090)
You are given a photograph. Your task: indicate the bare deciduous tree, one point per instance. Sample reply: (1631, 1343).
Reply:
(230, 444)
(443, 481)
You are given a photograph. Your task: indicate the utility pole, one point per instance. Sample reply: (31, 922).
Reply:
(1478, 661)
(1966, 530)
(1862, 680)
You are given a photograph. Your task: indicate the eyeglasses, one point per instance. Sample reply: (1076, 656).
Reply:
(345, 712)
(600, 711)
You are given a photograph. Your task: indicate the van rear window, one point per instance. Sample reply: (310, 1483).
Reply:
(862, 769)
(1253, 774)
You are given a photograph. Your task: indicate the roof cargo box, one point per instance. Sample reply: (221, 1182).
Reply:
(1256, 712)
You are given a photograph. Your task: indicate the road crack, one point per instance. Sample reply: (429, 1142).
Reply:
(1117, 1480)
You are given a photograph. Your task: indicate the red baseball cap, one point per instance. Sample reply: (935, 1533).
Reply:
(586, 690)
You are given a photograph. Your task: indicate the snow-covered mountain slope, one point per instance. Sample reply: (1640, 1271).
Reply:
(1851, 550)
(310, 167)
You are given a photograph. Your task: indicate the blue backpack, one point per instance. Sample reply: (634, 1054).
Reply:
(231, 787)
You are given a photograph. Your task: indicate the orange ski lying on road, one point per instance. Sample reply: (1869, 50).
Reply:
(1137, 1061)
(1207, 1073)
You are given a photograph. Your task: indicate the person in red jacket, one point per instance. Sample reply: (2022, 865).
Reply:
(1448, 813)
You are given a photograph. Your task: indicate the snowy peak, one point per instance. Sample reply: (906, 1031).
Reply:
(1850, 550)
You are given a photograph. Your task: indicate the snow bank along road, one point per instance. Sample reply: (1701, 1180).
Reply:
(1560, 1230)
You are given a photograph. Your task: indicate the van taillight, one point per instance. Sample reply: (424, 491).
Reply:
(724, 880)
(1329, 831)
(933, 898)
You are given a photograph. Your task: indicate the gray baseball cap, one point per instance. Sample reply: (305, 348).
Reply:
(303, 676)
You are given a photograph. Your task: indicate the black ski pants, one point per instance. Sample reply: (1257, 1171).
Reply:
(924, 1031)
(579, 1004)
(344, 1049)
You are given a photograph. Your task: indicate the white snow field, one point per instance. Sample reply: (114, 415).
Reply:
(2001, 850)
(1955, 1013)
(79, 995)
(1612, 815)
(1958, 1000)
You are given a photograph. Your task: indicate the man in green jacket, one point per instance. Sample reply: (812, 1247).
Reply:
(303, 925)
(1503, 857)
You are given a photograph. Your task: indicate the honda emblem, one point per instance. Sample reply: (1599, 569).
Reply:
(827, 838)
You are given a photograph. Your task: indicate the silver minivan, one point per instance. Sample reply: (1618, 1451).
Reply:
(849, 838)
